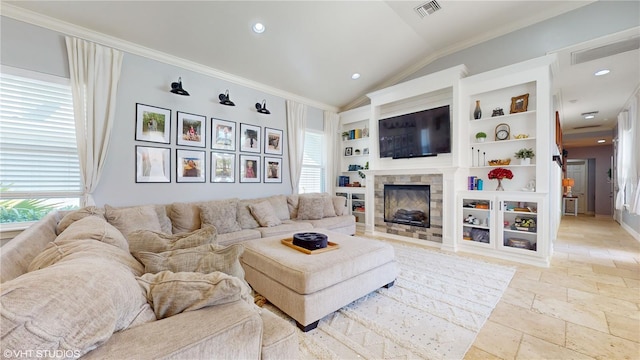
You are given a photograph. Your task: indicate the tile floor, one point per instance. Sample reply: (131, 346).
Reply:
(586, 305)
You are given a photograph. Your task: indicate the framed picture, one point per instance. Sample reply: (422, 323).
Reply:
(348, 151)
(153, 124)
(249, 138)
(223, 167)
(190, 166)
(272, 170)
(272, 141)
(223, 135)
(249, 168)
(519, 103)
(365, 151)
(153, 164)
(191, 129)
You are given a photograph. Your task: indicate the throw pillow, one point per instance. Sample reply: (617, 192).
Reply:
(221, 214)
(135, 218)
(245, 219)
(96, 228)
(340, 205)
(327, 210)
(76, 215)
(203, 259)
(185, 217)
(264, 214)
(72, 306)
(310, 208)
(280, 207)
(151, 241)
(292, 205)
(55, 253)
(172, 293)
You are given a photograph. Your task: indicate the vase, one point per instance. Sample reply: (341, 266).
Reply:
(499, 188)
(525, 161)
(477, 113)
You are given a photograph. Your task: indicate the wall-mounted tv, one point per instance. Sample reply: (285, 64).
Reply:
(422, 133)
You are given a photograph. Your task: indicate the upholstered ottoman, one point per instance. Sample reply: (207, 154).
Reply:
(308, 287)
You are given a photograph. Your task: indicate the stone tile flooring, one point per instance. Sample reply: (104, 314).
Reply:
(586, 305)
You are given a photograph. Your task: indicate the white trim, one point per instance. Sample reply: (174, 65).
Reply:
(66, 28)
(31, 74)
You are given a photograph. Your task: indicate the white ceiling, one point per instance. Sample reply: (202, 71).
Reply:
(311, 48)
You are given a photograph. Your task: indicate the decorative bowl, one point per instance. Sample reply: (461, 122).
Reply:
(501, 162)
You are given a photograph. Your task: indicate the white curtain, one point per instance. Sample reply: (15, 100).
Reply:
(296, 125)
(331, 123)
(95, 71)
(634, 114)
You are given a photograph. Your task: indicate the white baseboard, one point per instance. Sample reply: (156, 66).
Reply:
(631, 231)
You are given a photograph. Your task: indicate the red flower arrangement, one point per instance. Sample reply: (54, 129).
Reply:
(500, 173)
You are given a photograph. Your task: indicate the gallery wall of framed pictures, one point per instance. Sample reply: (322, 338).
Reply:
(235, 152)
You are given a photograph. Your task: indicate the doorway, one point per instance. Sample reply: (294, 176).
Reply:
(578, 170)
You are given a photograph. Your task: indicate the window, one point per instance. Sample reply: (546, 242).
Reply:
(39, 169)
(313, 169)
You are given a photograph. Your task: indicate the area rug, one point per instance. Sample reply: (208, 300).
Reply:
(435, 310)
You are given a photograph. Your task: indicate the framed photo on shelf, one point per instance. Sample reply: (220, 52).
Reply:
(249, 138)
(519, 103)
(348, 151)
(153, 124)
(249, 168)
(190, 166)
(272, 141)
(191, 129)
(272, 170)
(223, 167)
(153, 164)
(223, 134)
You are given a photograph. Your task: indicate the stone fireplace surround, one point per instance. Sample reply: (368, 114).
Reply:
(435, 232)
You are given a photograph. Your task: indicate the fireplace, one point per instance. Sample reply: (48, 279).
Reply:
(407, 204)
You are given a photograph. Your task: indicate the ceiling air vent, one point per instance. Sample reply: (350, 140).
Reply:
(585, 127)
(428, 8)
(578, 57)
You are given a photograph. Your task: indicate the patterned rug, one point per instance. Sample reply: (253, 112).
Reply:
(436, 308)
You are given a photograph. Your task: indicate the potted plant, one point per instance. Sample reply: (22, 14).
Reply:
(345, 135)
(480, 136)
(525, 156)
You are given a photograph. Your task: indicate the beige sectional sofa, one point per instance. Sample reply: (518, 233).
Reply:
(78, 283)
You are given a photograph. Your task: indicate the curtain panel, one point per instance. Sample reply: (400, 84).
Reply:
(296, 125)
(331, 124)
(95, 72)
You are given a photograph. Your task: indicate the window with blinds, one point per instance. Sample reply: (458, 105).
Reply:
(313, 167)
(39, 169)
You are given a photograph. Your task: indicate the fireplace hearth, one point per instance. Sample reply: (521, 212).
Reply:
(407, 204)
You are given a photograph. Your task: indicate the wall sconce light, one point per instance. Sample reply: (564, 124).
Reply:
(224, 99)
(262, 108)
(176, 88)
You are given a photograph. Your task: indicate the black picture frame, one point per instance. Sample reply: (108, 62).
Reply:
(190, 166)
(223, 167)
(153, 164)
(153, 124)
(191, 129)
(272, 170)
(273, 141)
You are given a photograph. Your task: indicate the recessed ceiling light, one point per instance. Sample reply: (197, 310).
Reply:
(602, 72)
(601, 141)
(355, 76)
(589, 116)
(258, 28)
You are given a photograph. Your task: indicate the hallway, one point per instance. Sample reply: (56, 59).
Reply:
(585, 306)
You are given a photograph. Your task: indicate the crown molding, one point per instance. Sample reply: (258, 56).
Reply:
(66, 28)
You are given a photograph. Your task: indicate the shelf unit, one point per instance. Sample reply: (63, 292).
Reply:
(356, 202)
(355, 122)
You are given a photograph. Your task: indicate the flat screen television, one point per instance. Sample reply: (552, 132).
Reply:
(418, 134)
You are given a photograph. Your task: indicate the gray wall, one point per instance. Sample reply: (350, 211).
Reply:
(148, 82)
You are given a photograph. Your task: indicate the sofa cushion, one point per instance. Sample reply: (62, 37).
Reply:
(333, 222)
(221, 214)
(244, 217)
(96, 228)
(287, 227)
(310, 208)
(203, 259)
(292, 204)
(134, 218)
(172, 293)
(71, 306)
(84, 248)
(280, 207)
(76, 215)
(264, 213)
(238, 236)
(151, 241)
(185, 217)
